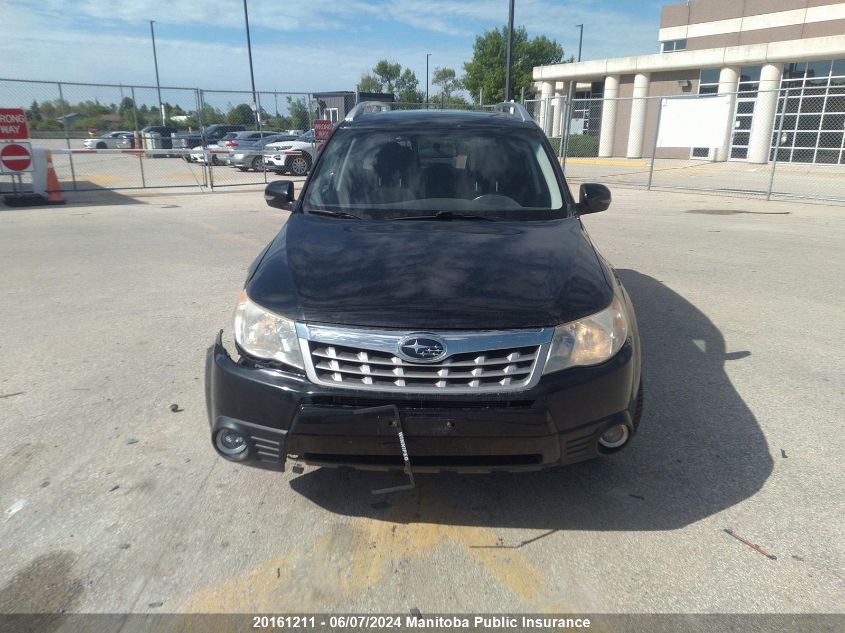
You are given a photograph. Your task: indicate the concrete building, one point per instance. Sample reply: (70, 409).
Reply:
(771, 53)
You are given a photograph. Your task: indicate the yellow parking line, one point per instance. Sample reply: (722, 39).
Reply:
(354, 556)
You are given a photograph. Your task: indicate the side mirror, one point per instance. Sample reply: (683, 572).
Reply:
(593, 198)
(279, 194)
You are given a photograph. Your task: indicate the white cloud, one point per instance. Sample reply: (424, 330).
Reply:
(107, 41)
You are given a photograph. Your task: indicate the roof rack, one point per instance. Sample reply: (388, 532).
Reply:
(513, 108)
(366, 107)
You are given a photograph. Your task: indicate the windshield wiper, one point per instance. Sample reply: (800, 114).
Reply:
(334, 214)
(446, 215)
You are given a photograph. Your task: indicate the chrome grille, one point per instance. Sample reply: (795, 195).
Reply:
(477, 361)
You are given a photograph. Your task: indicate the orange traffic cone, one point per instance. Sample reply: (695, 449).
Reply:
(54, 189)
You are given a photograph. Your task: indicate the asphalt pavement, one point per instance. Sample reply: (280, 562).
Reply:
(112, 501)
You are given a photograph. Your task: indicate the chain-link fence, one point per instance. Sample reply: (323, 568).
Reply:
(112, 136)
(789, 142)
(784, 143)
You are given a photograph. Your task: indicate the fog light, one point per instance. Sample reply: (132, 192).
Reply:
(615, 436)
(230, 442)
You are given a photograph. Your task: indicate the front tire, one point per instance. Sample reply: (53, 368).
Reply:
(101, 146)
(257, 163)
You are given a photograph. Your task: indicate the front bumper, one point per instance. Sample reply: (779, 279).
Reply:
(558, 421)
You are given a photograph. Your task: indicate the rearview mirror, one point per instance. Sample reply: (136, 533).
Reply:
(593, 197)
(279, 194)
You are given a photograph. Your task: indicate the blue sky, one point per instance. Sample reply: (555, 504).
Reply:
(305, 45)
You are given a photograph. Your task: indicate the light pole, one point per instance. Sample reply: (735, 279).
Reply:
(155, 61)
(427, 55)
(251, 74)
(508, 58)
(580, 40)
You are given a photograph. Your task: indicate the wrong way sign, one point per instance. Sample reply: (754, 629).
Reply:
(13, 124)
(15, 158)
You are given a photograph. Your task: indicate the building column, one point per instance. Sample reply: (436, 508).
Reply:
(728, 83)
(760, 143)
(608, 115)
(546, 91)
(639, 107)
(557, 108)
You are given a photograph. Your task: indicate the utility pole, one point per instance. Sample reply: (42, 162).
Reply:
(155, 61)
(251, 74)
(427, 55)
(508, 95)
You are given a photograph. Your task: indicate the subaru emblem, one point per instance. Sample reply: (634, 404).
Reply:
(422, 348)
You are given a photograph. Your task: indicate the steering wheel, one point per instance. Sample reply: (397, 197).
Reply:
(491, 199)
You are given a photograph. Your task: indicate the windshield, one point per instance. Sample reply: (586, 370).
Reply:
(424, 172)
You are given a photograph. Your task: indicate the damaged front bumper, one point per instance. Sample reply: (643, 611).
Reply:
(281, 414)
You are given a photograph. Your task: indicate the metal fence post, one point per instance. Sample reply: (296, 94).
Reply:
(138, 132)
(67, 135)
(200, 107)
(777, 145)
(654, 147)
(570, 106)
(207, 178)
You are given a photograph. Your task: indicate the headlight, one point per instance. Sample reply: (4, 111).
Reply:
(588, 341)
(262, 334)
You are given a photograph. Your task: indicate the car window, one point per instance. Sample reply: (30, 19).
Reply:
(489, 172)
(306, 138)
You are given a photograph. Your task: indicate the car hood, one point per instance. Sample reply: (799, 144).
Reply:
(431, 274)
(288, 145)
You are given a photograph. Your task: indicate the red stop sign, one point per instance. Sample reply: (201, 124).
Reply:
(15, 157)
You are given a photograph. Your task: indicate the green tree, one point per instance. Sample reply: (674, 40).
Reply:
(241, 114)
(388, 73)
(34, 112)
(407, 88)
(486, 69)
(369, 83)
(447, 81)
(298, 114)
(126, 110)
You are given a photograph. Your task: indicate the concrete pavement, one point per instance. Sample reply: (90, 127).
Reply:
(111, 502)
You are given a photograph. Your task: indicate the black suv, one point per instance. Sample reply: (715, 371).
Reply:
(212, 134)
(432, 303)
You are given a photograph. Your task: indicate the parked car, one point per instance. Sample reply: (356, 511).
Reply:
(432, 303)
(109, 140)
(295, 157)
(212, 134)
(251, 155)
(247, 137)
(198, 155)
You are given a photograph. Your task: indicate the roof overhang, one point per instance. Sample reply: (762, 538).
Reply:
(788, 51)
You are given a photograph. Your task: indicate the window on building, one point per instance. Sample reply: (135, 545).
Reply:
(673, 46)
(810, 122)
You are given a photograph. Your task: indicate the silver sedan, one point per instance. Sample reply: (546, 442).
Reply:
(110, 140)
